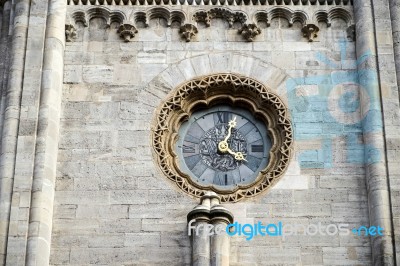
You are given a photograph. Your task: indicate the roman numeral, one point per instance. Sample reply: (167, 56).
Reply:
(188, 149)
(257, 148)
(222, 117)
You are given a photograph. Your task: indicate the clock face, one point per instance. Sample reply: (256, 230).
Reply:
(223, 146)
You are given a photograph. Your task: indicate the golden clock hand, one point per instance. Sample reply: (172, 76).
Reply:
(230, 151)
(238, 155)
(231, 124)
(223, 146)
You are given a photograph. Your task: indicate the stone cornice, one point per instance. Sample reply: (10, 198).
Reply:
(212, 2)
(248, 21)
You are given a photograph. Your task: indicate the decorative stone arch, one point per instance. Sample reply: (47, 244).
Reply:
(165, 13)
(219, 62)
(290, 15)
(333, 13)
(203, 76)
(109, 16)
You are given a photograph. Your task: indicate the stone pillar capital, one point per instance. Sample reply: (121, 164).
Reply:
(219, 213)
(209, 249)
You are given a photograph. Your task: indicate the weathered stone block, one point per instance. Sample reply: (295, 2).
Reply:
(73, 74)
(129, 197)
(98, 74)
(142, 239)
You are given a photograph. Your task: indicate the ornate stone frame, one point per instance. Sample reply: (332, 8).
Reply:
(210, 90)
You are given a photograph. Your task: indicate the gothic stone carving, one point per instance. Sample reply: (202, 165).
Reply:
(333, 13)
(287, 13)
(127, 31)
(310, 31)
(204, 2)
(141, 18)
(231, 89)
(261, 18)
(249, 31)
(169, 16)
(224, 13)
(203, 16)
(188, 31)
(70, 33)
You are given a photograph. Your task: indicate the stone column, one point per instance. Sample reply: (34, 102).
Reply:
(393, 135)
(4, 57)
(395, 16)
(19, 31)
(1, 20)
(27, 129)
(199, 219)
(42, 199)
(220, 243)
(209, 247)
(376, 171)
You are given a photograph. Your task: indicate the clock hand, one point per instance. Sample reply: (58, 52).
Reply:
(223, 145)
(230, 151)
(238, 155)
(231, 124)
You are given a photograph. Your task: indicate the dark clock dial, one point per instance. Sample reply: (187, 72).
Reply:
(201, 157)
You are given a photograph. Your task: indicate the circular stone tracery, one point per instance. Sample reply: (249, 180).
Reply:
(208, 91)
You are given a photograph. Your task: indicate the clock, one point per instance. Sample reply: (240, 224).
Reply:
(224, 133)
(223, 146)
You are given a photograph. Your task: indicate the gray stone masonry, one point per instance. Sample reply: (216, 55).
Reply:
(111, 89)
(80, 81)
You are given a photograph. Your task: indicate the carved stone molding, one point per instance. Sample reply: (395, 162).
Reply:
(310, 31)
(84, 16)
(231, 89)
(165, 13)
(127, 31)
(70, 33)
(292, 16)
(207, 2)
(230, 16)
(108, 15)
(203, 16)
(141, 18)
(79, 16)
(336, 12)
(261, 19)
(188, 31)
(287, 13)
(249, 31)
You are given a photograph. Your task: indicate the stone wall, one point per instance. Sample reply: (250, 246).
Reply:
(113, 205)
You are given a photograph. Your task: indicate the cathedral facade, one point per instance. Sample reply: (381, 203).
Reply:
(132, 131)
